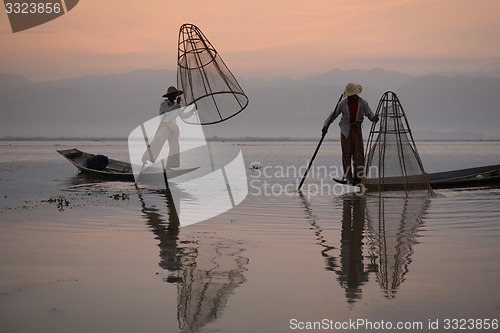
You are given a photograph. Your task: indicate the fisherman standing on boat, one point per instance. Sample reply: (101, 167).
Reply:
(353, 109)
(170, 109)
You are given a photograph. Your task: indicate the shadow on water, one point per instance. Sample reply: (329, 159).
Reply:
(205, 269)
(377, 238)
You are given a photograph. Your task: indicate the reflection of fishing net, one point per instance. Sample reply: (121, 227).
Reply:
(393, 225)
(209, 276)
(392, 161)
(205, 78)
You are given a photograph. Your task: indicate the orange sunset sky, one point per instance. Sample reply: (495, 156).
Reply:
(260, 38)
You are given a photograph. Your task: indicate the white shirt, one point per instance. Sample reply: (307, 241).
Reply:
(169, 110)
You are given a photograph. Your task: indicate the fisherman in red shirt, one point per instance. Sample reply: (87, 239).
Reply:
(353, 109)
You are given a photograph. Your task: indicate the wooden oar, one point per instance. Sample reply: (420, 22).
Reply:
(317, 149)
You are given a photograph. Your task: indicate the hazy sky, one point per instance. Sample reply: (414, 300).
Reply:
(260, 38)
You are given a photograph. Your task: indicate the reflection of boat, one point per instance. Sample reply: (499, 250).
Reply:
(114, 170)
(206, 270)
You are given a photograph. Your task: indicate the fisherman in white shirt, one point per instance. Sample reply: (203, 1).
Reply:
(170, 109)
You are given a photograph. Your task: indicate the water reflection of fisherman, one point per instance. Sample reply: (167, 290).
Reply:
(352, 271)
(205, 271)
(167, 232)
(170, 109)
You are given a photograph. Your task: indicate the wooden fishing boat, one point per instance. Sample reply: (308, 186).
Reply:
(114, 170)
(470, 177)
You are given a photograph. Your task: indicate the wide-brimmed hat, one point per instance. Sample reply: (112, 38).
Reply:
(352, 89)
(173, 91)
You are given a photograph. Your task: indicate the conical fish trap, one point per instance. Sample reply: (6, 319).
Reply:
(205, 79)
(393, 162)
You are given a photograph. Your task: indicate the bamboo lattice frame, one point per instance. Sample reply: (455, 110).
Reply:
(391, 151)
(205, 79)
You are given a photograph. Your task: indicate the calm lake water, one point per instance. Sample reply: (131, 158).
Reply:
(81, 255)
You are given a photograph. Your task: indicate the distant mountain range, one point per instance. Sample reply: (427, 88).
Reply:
(438, 105)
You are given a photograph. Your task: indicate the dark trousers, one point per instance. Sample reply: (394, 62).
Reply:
(353, 151)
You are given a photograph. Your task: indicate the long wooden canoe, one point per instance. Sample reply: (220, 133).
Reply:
(470, 177)
(115, 170)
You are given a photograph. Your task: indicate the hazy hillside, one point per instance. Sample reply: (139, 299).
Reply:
(103, 106)
(112, 105)
(9, 80)
(453, 103)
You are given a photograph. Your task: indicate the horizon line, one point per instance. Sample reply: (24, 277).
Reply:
(217, 139)
(479, 73)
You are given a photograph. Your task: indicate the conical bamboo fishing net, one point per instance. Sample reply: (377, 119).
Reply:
(393, 162)
(205, 79)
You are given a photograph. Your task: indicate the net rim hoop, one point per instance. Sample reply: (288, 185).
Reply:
(221, 120)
